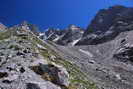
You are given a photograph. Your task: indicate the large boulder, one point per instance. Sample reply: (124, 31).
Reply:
(54, 73)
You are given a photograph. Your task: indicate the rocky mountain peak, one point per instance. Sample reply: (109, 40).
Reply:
(107, 24)
(24, 23)
(73, 27)
(105, 18)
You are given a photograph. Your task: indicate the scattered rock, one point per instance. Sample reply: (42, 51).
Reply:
(41, 47)
(22, 70)
(7, 81)
(3, 74)
(19, 53)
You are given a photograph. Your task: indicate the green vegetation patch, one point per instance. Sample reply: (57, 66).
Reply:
(5, 35)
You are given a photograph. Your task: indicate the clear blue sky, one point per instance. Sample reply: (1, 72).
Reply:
(54, 13)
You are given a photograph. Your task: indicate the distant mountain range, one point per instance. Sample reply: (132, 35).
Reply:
(106, 25)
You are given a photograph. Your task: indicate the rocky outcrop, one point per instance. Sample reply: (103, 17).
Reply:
(2, 27)
(125, 54)
(28, 26)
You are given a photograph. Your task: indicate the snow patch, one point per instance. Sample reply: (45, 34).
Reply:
(108, 32)
(112, 27)
(81, 32)
(41, 34)
(120, 22)
(118, 76)
(86, 52)
(75, 41)
(56, 39)
(50, 35)
(40, 46)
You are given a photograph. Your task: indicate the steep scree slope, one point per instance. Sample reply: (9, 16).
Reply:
(27, 62)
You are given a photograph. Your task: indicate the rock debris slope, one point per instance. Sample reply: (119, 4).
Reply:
(27, 62)
(105, 52)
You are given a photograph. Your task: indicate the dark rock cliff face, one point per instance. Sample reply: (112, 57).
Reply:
(104, 19)
(53, 34)
(72, 33)
(107, 24)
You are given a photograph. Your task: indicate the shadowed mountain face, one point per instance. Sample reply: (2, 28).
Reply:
(105, 18)
(72, 34)
(107, 24)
